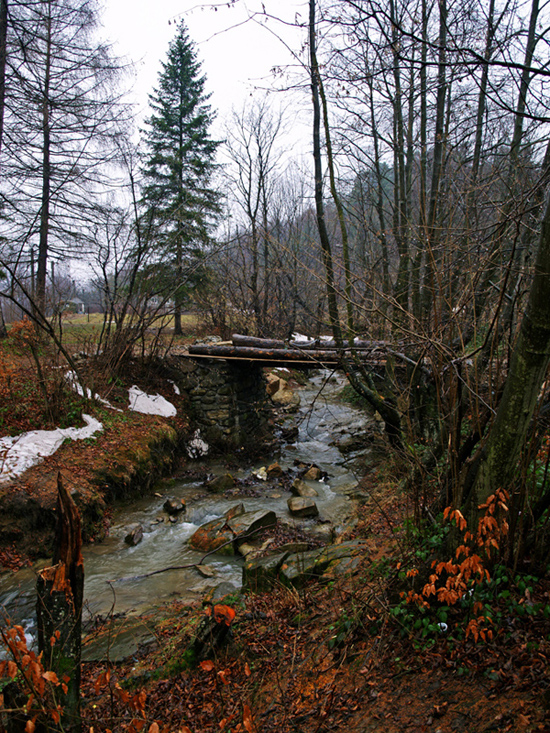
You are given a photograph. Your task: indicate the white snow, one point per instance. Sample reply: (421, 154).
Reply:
(175, 386)
(150, 404)
(197, 447)
(299, 338)
(75, 385)
(23, 451)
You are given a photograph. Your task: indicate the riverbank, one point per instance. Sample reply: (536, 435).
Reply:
(126, 458)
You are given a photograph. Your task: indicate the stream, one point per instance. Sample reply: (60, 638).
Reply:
(112, 568)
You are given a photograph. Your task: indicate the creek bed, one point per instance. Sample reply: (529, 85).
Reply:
(113, 569)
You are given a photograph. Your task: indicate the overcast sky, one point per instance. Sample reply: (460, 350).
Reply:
(237, 45)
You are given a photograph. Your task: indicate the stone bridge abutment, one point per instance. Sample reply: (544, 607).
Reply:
(228, 400)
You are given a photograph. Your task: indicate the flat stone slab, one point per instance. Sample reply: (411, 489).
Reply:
(302, 507)
(261, 574)
(295, 569)
(117, 640)
(250, 522)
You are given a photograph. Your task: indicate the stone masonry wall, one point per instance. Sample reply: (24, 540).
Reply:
(228, 401)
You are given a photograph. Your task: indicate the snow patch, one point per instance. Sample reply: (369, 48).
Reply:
(175, 386)
(23, 451)
(75, 385)
(300, 338)
(150, 404)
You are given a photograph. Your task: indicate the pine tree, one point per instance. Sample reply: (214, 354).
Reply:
(181, 205)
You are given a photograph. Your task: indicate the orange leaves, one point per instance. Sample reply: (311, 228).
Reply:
(457, 516)
(50, 677)
(102, 680)
(222, 614)
(469, 566)
(248, 721)
(223, 675)
(207, 665)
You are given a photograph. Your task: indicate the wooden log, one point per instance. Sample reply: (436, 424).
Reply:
(60, 592)
(240, 340)
(251, 353)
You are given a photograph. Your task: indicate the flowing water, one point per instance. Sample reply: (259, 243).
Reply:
(113, 569)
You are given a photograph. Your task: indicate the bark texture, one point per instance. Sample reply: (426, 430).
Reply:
(59, 609)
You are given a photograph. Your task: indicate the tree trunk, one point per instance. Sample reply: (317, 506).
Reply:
(531, 356)
(60, 590)
(46, 180)
(3, 329)
(3, 55)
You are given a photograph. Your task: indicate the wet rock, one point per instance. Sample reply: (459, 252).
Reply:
(222, 483)
(250, 550)
(302, 507)
(300, 488)
(135, 535)
(205, 570)
(290, 433)
(294, 404)
(350, 443)
(324, 532)
(235, 511)
(285, 396)
(313, 474)
(251, 522)
(261, 574)
(246, 549)
(174, 506)
(213, 536)
(221, 534)
(294, 547)
(273, 384)
(327, 562)
(173, 520)
(274, 471)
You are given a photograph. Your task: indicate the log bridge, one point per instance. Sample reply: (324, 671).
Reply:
(312, 354)
(227, 388)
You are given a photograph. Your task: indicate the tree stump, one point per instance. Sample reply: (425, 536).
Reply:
(60, 591)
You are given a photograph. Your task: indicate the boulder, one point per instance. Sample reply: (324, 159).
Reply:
(285, 396)
(262, 573)
(222, 483)
(221, 534)
(135, 535)
(274, 470)
(302, 507)
(313, 474)
(214, 536)
(350, 443)
(273, 384)
(301, 488)
(328, 562)
(250, 522)
(174, 506)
